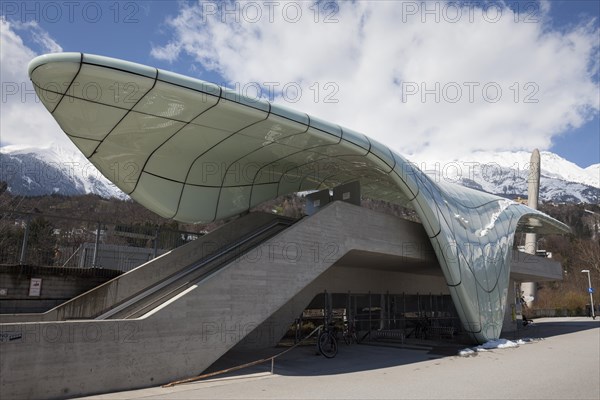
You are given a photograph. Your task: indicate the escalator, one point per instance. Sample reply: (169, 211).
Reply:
(138, 291)
(162, 292)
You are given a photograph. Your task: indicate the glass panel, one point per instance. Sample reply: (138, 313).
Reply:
(261, 193)
(291, 183)
(84, 119)
(383, 153)
(116, 63)
(356, 138)
(311, 139)
(468, 293)
(191, 83)
(109, 86)
(407, 172)
(343, 148)
(430, 224)
(198, 204)
(326, 127)
(125, 151)
(307, 175)
(51, 79)
(86, 146)
(174, 158)
(309, 182)
(221, 160)
(237, 97)
(288, 113)
(157, 194)
(170, 101)
(233, 200)
(273, 129)
(275, 169)
(53, 58)
(229, 116)
(338, 178)
(259, 162)
(313, 174)
(48, 99)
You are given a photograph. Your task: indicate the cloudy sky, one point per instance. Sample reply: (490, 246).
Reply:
(433, 80)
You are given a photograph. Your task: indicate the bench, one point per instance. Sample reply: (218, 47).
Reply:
(442, 331)
(393, 334)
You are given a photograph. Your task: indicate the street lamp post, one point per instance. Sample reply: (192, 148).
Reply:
(590, 290)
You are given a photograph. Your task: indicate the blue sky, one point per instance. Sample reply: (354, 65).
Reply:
(159, 33)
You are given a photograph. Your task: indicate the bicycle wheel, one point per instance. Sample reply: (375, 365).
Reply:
(327, 344)
(350, 337)
(347, 338)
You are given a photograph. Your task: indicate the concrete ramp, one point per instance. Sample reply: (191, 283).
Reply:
(184, 335)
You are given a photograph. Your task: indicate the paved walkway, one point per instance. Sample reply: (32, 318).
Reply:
(564, 365)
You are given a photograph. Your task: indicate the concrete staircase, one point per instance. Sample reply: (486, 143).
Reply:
(164, 276)
(186, 333)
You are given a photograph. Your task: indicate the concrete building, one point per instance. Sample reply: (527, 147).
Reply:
(203, 153)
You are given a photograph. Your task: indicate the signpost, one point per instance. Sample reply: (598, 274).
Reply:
(590, 291)
(35, 287)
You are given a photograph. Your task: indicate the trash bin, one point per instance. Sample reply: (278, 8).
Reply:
(588, 310)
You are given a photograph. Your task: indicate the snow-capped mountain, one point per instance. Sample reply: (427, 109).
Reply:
(39, 171)
(506, 174)
(34, 171)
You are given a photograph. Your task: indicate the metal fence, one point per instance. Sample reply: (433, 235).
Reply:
(47, 240)
(384, 316)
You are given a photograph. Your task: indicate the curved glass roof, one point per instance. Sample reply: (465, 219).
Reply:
(196, 152)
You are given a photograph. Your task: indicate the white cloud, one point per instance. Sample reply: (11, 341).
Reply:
(24, 119)
(374, 50)
(169, 53)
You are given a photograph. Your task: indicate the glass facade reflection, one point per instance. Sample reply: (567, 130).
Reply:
(195, 152)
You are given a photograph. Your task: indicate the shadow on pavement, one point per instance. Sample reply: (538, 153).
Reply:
(306, 361)
(548, 327)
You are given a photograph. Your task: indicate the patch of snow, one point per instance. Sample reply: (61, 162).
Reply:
(467, 353)
(484, 168)
(73, 165)
(495, 344)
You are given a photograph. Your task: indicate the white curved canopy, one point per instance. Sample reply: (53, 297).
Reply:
(196, 152)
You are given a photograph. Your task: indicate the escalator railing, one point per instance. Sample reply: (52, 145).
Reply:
(154, 296)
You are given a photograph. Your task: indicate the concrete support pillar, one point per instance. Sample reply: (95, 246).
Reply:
(512, 308)
(529, 289)
(533, 189)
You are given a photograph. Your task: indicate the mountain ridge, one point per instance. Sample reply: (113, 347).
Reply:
(35, 171)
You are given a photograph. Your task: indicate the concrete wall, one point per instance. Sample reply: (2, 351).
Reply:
(185, 336)
(532, 268)
(58, 286)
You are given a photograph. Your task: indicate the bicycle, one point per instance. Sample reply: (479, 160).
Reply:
(327, 342)
(349, 333)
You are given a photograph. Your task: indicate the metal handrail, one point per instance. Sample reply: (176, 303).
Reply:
(250, 364)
